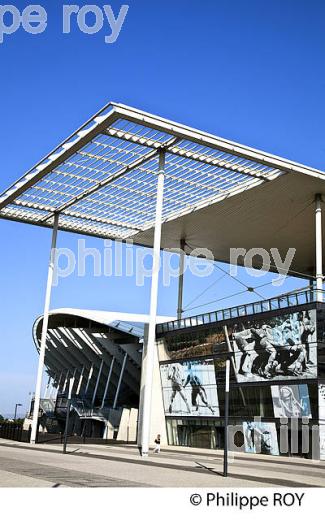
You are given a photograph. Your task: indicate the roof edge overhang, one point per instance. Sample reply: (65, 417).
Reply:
(101, 317)
(205, 138)
(113, 111)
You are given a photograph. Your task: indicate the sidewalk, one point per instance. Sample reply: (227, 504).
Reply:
(173, 467)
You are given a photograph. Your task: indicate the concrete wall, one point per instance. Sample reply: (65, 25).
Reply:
(158, 422)
(128, 425)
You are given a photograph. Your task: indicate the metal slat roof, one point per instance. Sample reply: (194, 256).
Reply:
(102, 179)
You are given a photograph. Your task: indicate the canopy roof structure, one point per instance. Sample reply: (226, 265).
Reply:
(129, 175)
(84, 343)
(124, 321)
(80, 338)
(102, 181)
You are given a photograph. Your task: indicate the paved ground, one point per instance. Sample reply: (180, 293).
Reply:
(22, 465)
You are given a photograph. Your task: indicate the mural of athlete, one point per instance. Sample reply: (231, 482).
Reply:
(177, 378)
(265, 349)
(306, 329)
(292, 355)
(246, 345)
(198, 389)
(259, 352)
(250, 431)
(290, 405)
(277, 347)
(260, 438)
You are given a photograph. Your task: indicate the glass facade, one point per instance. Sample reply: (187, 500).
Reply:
(198, 433)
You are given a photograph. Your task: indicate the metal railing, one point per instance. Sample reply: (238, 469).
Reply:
(84, 412)
(279, 302)
(83, 408)
(14, 432)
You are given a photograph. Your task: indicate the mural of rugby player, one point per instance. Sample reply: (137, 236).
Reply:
(267, 447)
(246, 345)
(260, 438)
(266, 351)
(279, 348)
(292, 354)
(276, 347)
(249, 436)
(253, 436)
(177, 378)
(290, 404)
(322, 441)
(259, 352)
(198, 389)
(307, 328)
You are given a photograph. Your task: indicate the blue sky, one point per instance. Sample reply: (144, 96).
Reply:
(250, 71)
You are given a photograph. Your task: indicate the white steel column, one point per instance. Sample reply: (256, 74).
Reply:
(150, 358)
(97, 382)
(47, 387)
(73, 378)
(65, 382)
(120, 380)
(181, 281)
(52, 390)
(55, 394)
(319, 248)
(107, 382)
(44, 331)
(71, 384)
(80, 380)
(89, 377)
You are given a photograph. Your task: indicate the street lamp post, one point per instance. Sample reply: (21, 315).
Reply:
(66, 429)
(18, 404)
(225, 458)
(226, 420)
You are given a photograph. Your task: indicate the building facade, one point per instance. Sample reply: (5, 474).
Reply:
(277, 377)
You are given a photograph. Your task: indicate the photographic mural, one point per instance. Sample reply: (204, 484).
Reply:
(321, 411)
(322, 441)
(281, 350)
(282, 347)
(260, 437)
(291, 401)
(321, 402)
(190, 388)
